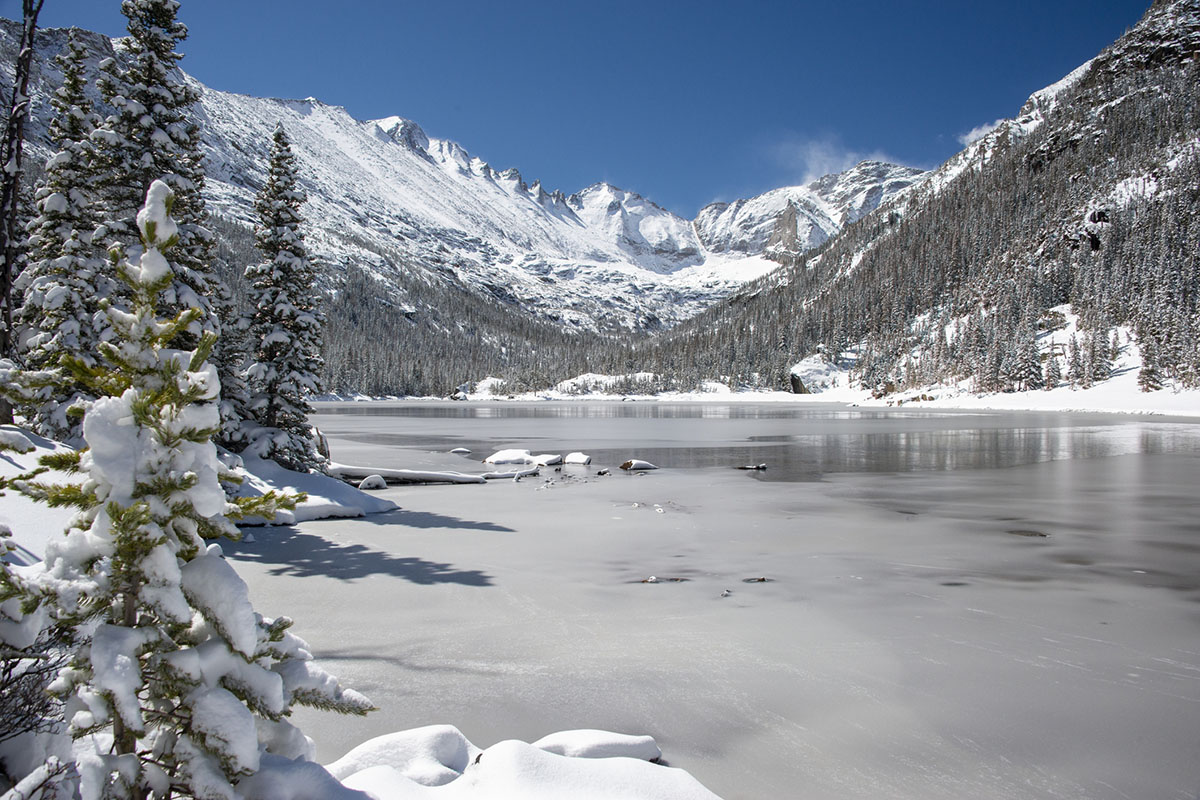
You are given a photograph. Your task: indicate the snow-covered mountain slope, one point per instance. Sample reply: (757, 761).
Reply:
(386, 196)
(793, 219)
(1087, 199)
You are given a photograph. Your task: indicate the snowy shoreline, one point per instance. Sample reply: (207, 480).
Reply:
(1184, 404)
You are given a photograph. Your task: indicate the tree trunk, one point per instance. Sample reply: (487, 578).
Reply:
(10, 181)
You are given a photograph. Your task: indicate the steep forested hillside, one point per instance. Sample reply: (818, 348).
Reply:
(1091, 197)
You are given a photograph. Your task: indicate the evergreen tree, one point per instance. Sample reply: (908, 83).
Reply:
(1076, 372)
(186, 683)
(149, 136)
(1149, 376)
(285, 322)
(1053, 372)
(64, 278)
(1099, 367)
(229, 357)
(1027, 367)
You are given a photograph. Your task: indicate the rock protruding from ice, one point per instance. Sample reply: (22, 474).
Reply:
(372, 483)
(636, 464)
(523, 457)
(509, 457)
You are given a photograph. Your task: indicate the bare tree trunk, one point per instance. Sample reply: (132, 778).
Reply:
(10, 181)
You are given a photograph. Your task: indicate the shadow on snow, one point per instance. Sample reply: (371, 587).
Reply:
(304, 555)
(426, 520)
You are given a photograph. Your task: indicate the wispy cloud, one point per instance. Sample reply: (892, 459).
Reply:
(810, 158)
(978, 132)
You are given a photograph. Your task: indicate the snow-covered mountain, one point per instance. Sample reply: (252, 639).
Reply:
(386, 196)
(788, 221)
(1073, 221)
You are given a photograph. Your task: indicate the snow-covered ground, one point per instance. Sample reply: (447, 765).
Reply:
(829, 383)
(427, 762)
(1118, 395)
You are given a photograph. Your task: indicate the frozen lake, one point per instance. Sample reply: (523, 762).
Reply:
(957, 605)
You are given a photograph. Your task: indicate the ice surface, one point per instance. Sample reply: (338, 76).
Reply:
(914, 639)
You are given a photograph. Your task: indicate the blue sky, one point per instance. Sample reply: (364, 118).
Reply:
(684, 102)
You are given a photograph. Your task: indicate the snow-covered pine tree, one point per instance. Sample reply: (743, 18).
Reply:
(187, 686)
(64, 278)
(285, 323)
(1150, 375)
(1098, 367)
(1075, 364)
(149, 136)
(229, 356)
(1026, 371)
(1053, 376)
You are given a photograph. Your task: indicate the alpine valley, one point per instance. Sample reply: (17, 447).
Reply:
(1073, 225)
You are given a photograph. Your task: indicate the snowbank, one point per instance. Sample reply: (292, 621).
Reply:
(439, 762)
(327, 496)
(33, 523)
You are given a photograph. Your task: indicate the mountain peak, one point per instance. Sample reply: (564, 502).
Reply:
(404, 132)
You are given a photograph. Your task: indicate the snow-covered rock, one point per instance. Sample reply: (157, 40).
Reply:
(372, 482)
(510, 457)
(577, 458)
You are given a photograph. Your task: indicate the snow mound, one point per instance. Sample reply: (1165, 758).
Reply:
(14, 440)
(279, 778)
(439, 762)
(327, 496)
(431, 756)
(600, 744)
(577, 458)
